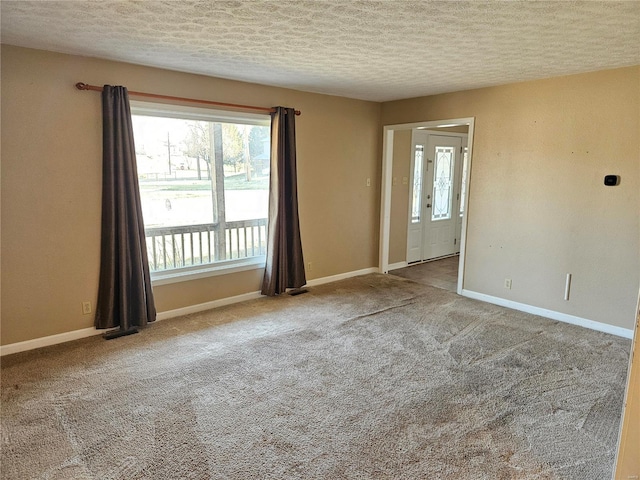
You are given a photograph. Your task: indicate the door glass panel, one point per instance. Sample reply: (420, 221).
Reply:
(442, 183)
(416, 201)
(463, 190)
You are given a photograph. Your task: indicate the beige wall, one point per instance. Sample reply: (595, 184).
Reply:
(456, 129)
(51, 185)
(538, 207)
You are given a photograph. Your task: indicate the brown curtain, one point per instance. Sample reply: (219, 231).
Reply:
(285, 264)
(125, 298)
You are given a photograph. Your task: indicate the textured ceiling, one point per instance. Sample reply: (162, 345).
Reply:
(374, 50)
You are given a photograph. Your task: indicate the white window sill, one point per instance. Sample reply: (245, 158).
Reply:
(204, 271)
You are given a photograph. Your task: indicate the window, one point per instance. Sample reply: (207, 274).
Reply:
(442, 183)
(463, 189)
(204, 188)
(416, 200)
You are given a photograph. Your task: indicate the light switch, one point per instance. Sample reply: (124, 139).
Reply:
(395, 181)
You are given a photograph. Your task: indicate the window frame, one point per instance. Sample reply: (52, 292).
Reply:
(184, 112)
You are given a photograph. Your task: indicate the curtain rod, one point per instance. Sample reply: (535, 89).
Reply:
(85, 86)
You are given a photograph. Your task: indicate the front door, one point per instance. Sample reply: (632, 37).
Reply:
(435, 196)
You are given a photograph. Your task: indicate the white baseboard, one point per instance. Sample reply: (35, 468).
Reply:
(341, 276)
(47, 341)
(88, 332)
(201, 307)
(396, 266)
(178, 312)
(553, 315)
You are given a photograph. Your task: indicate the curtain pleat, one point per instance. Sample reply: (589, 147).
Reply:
(285, 263)
(125, 298)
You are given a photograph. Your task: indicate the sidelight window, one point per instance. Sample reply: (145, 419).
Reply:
(416, 199)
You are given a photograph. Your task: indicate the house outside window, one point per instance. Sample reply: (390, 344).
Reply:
(204, 188)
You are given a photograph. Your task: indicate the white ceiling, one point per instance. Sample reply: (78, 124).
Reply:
(373, 50)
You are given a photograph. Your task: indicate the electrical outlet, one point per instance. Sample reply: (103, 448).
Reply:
(507, 283)
(86, 308)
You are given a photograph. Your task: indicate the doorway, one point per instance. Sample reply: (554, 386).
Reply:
(436, 195)
(442, 127)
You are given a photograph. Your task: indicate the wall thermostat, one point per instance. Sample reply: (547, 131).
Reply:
(611, 180)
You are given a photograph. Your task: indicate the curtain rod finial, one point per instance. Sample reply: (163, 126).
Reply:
(81, 86)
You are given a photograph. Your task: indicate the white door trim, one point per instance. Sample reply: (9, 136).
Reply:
(385, 192)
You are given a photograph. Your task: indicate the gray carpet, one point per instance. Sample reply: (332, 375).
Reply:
(371, 377)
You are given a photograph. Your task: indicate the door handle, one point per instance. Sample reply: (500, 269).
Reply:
(428, 205)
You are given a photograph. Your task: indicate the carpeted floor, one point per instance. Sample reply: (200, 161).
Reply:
(371, 377)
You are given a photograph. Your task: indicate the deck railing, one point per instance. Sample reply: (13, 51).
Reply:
(188, 245)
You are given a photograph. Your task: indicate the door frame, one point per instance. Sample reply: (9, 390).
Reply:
(385, 191)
